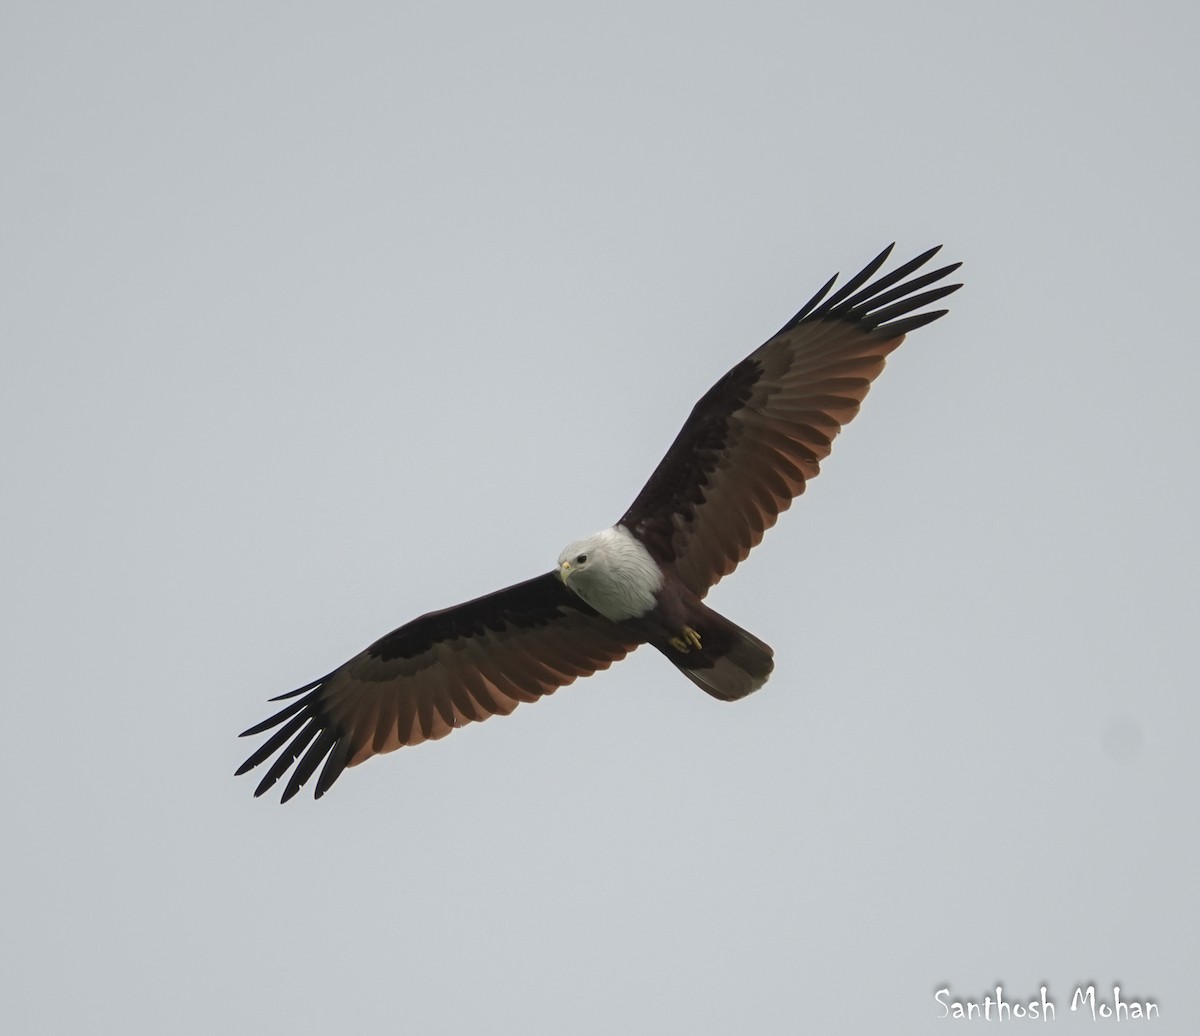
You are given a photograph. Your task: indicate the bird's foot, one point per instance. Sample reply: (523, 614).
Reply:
(687, 640)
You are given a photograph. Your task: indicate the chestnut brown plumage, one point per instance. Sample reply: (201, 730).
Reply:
(746, 451)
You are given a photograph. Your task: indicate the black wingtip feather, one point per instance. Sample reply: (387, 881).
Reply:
(907, 305)
(879, 298)
(884, 282)
(857, 304)
(903, 327)
(298, 724)
(309, 762)
(299, 690)
(275, 720)
(860, 278)
(883, 305)
(290, 754)
(334, 765)
(810, 305)
(272, 745)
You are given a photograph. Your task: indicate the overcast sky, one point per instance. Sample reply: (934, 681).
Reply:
(317, 318)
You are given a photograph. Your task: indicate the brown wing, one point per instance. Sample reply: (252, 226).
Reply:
(437, 673)
(759, 434)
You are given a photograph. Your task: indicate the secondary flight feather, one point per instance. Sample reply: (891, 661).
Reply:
(746, 451)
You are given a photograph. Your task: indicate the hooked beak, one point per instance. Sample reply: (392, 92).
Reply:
(564, 570)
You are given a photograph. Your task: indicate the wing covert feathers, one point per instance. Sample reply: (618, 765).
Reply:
(437, 673)
(758, 436)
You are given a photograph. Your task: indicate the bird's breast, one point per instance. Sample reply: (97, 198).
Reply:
(615, 598)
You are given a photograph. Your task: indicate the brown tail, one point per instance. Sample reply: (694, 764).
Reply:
(731, 664)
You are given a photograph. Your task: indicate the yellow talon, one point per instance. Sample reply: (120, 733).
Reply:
(689, 639)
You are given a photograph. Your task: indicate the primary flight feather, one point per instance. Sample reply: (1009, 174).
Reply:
(747, 449)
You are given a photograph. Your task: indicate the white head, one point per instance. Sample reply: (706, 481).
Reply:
(613, 572)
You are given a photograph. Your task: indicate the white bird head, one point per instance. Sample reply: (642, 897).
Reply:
(613, 572)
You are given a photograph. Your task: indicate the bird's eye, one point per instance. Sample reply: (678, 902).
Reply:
(581, 559)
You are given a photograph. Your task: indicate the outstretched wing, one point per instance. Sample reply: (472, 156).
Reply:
(759, 434)
(439, 672)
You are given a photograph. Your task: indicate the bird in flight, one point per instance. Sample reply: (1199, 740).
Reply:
(746, 451)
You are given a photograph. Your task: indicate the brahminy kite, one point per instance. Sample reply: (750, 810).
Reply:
(749, 447)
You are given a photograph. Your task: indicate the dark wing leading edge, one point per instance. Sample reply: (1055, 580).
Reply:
(760, 433)
(439, 672)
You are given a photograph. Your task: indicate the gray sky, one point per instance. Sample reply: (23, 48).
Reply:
(319, 317)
